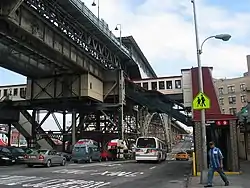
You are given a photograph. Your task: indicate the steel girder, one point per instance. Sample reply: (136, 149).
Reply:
(98, 123)
(75, 31)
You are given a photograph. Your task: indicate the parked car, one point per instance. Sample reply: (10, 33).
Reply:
(6, 157)
(86, 150)
(44, 157)
(67, 156)
(18, 153)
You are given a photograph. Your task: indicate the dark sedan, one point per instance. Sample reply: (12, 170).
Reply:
(18, 153)
(6, 157)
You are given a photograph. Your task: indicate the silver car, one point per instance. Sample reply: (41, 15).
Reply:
(44, 157)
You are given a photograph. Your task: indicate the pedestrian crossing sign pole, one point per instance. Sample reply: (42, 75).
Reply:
(201, 102)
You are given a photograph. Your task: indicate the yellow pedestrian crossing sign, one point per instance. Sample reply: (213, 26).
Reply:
(201, 101)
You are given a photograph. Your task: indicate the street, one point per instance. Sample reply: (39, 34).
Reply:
(123, 174)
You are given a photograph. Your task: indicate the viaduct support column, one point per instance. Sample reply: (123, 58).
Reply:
(98, 127)
(121, 90)
(33, 129)
(64, 131)
(73, 127)
(9, 134)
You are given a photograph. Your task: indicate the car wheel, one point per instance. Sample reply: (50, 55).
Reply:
(30, 165)
(63, 162)
(48, 164)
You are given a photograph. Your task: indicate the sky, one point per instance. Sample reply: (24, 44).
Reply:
(164, 31)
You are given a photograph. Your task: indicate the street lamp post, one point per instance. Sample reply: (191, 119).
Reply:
(224, 37)
(98, 9)
(121, 87)
(116, 28)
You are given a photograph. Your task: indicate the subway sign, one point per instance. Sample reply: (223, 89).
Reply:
(218, 122)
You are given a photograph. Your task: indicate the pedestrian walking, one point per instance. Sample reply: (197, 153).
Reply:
(215, 165)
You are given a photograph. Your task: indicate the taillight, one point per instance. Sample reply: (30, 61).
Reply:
(41, 157)
(26, 156)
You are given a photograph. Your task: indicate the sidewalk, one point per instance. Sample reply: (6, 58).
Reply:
(236, 181)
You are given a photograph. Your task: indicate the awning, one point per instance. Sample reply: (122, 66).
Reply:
(2, 143)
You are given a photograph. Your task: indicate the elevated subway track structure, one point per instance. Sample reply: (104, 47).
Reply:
(73, 64)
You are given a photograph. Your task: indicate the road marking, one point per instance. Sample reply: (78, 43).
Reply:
(73, 171)
(42, 182)
(118, 173)
(152, 167)
(97, 164)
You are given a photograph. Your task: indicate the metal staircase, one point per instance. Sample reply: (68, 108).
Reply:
(25, 121)
(24, 126)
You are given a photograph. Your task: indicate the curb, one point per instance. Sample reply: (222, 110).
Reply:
(189, 177)
(227, 173)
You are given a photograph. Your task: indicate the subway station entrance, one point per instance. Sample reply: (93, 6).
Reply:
(219, 133)
(223, 133)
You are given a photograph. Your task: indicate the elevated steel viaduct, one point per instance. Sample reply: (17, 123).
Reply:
(74, 64)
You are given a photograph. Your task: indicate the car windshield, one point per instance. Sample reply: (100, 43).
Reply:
(13, 150)
(182, 152)
(19, 150)
(5, 150)
(28, 151)
(40, 151)
(146, 143)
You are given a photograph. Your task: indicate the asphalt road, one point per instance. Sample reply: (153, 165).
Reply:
(125, 174)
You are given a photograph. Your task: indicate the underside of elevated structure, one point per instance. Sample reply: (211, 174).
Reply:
(75, 65)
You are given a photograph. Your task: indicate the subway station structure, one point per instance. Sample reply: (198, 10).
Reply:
(75, 65)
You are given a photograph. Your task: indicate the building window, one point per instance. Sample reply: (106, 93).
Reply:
(231, 89)
(169, 84)
(243, 87)
(15, 92)
(233, 111)
(5, 92)
(223, 111)
(221, 91)
(243, 98)
(139, 84)
(221, 100)
(177, 84)
(23, 92)
(161, 85)
(232, 100)
(154, 85)
(145, 85)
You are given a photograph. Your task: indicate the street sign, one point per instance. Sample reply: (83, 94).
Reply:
(201, 101)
